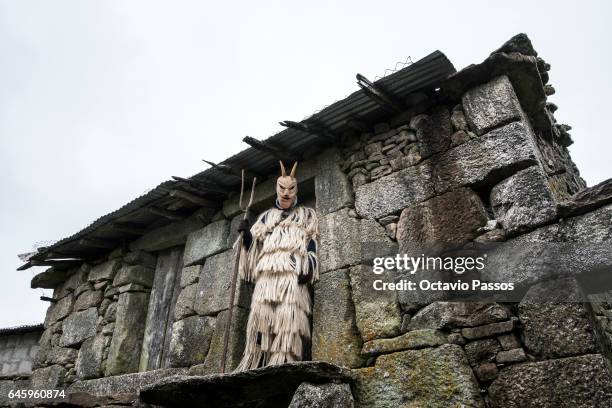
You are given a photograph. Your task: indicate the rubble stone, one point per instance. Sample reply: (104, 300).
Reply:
(79, 326)
(329, 395)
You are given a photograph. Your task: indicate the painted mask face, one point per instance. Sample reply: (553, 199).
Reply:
(286, 187)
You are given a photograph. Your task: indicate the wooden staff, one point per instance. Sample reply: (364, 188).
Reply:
(238, 248)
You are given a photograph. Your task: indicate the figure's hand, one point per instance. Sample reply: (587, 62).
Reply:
(303, 279)
(244, 226)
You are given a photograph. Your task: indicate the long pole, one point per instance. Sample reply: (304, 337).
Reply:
(238, 248)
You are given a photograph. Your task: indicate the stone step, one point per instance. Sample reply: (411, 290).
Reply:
(271, 386)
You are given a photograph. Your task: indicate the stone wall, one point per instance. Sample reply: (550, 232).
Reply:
(17, 351)
(481, 161)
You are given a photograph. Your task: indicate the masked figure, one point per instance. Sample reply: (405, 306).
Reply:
(279, 256)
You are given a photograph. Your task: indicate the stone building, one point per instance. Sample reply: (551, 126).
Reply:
(425, 155)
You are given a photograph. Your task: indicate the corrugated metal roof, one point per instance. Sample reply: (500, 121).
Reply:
(424, 74)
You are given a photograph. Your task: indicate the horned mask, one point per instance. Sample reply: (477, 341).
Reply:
(286, 187)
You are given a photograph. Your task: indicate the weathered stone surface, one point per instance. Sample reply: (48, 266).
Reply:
(265, 387)
(122, 384)
(415, 339)
(184, 303)
(480, 351)
(485, 160)
(62, 355)
(508, 341)
(445, 315)
(453, 217)
(212, 364)
(58, 310)
(205, 242)
(190, 274)
(339, 243)
(51, 377)
(190, 340)
(170, 235)
(487, 330)
(571, 248)
(79, 326)
(516, 355)
(486, 372)
(587, 199)
(394, 192)
(431, 377)
(569, 382)
(89, 362)
(310, 395)
(75, 277)
(137, 274)
(88, 299)
(213, 287)
(49, 278)
(555, 320)
(491, 105)
(332, 187)
(377, 313)
(458, 119)
(124, 350)
(335, 338)
(104, 271)
(523, 201)
(140, 257)
(433, 131)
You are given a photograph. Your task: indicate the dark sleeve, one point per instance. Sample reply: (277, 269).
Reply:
(247, 239)
(312, 247)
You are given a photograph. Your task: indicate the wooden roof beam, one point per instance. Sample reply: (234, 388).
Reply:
(271, 150)
(378, 95)
(171, 215)
(99, 243)
(194, 199)
(232, 171)
(129, 228)
(316, 129)
(202, 185)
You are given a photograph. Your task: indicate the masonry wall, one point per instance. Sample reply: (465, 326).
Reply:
(17, 352)
(478, 167)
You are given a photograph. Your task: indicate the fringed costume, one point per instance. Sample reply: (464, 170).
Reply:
(279, 255)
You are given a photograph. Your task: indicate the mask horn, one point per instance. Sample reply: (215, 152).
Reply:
(293, 170)
(282, 166)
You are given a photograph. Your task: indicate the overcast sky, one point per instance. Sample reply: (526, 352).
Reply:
(102, 100)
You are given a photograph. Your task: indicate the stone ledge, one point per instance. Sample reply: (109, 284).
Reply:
(122, 384)
(271, 386)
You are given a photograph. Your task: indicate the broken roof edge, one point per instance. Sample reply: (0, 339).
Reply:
(429, 70)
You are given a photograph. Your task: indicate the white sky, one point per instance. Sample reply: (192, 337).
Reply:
(102, 100)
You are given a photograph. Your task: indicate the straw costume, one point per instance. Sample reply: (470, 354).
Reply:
(279, 256)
